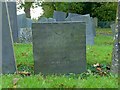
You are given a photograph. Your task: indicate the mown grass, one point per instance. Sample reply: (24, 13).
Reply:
(101, 53)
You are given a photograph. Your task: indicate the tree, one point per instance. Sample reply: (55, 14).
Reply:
(105, 11)
(27, 5)
(115, 59)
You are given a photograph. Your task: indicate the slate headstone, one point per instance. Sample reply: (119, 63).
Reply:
(22, 22)
(13, 20)
(95, 19)
(25, 35)
(29, 23)
(43, 20)
(51, 20)
(93, 26)
(70, 15)
(59, 16)
(113, 27)
(59, 48)
(89, 30)
(8, 59)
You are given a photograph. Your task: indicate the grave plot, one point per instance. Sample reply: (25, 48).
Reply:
(59, 48)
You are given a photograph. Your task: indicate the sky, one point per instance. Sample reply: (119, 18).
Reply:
(35, 13)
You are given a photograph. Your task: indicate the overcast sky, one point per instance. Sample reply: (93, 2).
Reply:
(35, 13)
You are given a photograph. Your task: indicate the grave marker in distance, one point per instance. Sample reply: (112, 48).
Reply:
(59, 16)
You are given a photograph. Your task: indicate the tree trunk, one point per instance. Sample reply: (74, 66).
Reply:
(27, 7)
(27, 12)
(115, 58)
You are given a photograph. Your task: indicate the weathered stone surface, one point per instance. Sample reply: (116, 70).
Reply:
(13, 20)
(29, 23)
(51, 20)
(116, 50)
(89, 29)
(59, 16)
(25, 35)
(113, 27)
(95, 19)
(70, 15)
(115, 64)
(8, 60)
(22, 22)
(59, 48)
(43, 20)
(93, 26)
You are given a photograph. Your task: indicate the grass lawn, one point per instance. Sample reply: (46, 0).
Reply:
(100, 53)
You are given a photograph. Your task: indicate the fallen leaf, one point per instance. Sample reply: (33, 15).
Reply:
(24, 73)
(15, 80)
(14, 86)
(99, 69)
(96, 65)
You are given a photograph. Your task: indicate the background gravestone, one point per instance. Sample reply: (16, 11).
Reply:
(93, 26)
(70, 15)
(25, 35)
(95, 19)
(51, 20)
(13, 20)
(29, 22)
(43, 20)
(59, 16)
(22, 22)
(8, 60)
(89, 28)
(59, 48)
(113, 27)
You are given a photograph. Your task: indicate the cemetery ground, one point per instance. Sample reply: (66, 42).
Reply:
(99, 57)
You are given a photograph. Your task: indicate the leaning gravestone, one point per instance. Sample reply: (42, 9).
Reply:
(59, 48)
(89, 30)
(59, 16)
(13, 20)
(8, 60)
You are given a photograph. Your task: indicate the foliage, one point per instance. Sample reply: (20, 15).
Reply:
(104, 11)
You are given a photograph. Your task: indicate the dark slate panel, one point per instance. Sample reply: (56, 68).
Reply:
(59, 16)
(13, 20)
(59, 48)
(8, 59)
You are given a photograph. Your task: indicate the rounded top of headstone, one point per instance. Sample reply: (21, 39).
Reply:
(42, 19)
